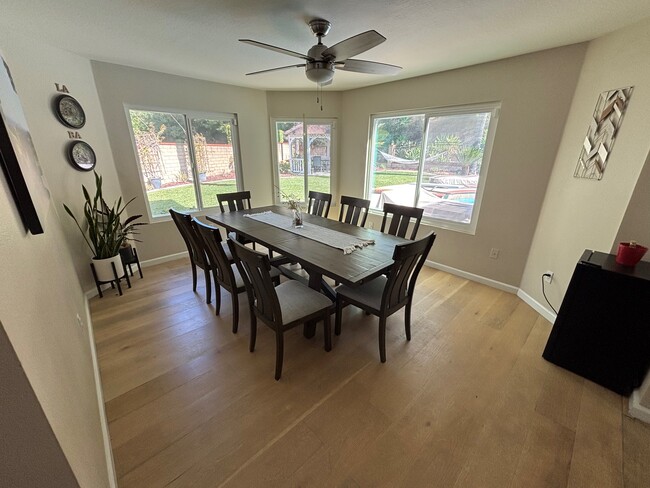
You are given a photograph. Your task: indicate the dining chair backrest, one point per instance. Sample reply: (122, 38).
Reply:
(239, 200)
(319, 203)
(353, 209)
(400, 219)
(255, 268)
(211, 238)
(195, 246)
(408, 261)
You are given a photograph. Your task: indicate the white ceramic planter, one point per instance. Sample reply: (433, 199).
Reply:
(104, 269)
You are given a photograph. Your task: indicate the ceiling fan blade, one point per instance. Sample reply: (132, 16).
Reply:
(276, 69)
(276, 49)
(354, 45)
(370, 67)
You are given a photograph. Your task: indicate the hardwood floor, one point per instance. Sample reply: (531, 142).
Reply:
(468, 402)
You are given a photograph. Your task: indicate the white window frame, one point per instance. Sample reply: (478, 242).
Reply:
(493, 107)
(188, 114)
(274, 152)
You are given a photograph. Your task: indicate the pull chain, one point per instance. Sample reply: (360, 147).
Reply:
(319, 95)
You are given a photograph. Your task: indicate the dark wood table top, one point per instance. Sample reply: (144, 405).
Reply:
(350, 269)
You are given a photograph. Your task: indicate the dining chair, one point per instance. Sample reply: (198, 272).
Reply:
(319, 203)
(282, 307)
(353, 209)
(400, 219)
(239, 200)
(385, 295)
(195, 249)
(225, 272)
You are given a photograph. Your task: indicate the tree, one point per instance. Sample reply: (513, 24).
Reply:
(449, 148)
(175, 127)
(147, 142)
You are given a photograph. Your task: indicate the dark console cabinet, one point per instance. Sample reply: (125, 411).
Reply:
(602, 331)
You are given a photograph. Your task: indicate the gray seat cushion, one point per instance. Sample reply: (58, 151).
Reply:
(298, 301)
(369, 293)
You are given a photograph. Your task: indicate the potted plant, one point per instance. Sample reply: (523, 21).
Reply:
(148, 143)
(105, 233)
(201, 156)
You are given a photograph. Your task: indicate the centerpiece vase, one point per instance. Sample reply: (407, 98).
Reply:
(297, 218)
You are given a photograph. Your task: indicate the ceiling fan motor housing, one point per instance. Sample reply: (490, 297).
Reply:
(320, 27)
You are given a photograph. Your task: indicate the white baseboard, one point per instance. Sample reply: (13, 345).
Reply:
(92, 293)
(637, 410)
(473, 277)
(108, 452)
(538, 307)
(163, 259)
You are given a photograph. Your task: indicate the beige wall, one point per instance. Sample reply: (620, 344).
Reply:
(535, 91)
(35, 81)
(42, 296)
(25, 429)
(583, 214)
(120, 85)
(636, 222)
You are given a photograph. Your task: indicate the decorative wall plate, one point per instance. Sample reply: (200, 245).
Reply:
(82, 156)
(69, 112)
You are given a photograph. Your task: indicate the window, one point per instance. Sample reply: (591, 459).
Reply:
(433, 159)
(185, 159)
(302, 157)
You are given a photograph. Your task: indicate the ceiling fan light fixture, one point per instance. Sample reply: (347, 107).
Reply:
(320, 71)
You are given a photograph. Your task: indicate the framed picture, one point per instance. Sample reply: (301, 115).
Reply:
(18, 156)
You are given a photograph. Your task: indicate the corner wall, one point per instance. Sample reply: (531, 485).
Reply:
(42, 303)
(636, 222)
(35, 81)
(535, 91)
(583, 214)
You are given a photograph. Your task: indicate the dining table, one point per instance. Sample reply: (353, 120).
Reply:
(317, 258)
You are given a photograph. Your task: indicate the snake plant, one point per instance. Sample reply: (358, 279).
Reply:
(105, 232)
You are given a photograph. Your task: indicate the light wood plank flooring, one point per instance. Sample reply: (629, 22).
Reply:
(468, 402)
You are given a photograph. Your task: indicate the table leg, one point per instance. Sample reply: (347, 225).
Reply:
(315, 278)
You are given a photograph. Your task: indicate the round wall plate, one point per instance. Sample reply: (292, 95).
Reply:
(69, 111)
(82, 156)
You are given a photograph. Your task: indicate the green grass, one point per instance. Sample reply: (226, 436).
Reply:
(389, 178)
(182, 197)
(293, 186)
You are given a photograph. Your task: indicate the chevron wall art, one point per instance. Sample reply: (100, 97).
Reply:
(601, 134)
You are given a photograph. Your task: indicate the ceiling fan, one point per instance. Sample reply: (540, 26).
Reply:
(321, 61)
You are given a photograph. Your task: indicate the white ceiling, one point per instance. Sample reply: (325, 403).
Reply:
(198, 38)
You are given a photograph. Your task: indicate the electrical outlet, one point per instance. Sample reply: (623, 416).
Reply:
(494, 253)
(80, 322)
(548, 277)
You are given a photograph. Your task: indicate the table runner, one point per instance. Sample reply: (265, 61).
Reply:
(332, 238)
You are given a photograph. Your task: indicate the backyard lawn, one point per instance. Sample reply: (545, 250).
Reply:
(181, 198)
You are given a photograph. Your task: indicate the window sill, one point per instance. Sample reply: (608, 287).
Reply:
(440, 224)
(196, 213)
